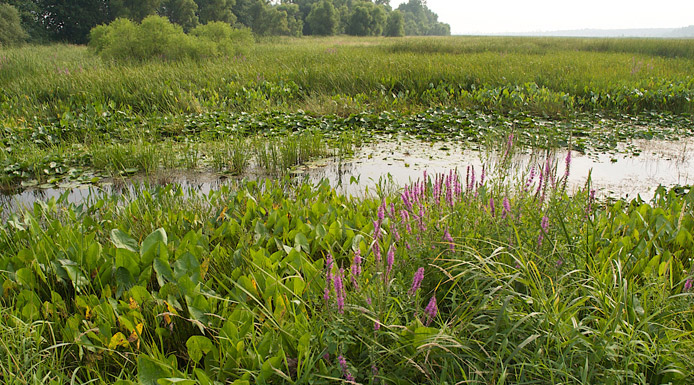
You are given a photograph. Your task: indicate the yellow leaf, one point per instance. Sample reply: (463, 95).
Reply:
(204, 267)
(88, 313)
(133, 304)
(118, 339)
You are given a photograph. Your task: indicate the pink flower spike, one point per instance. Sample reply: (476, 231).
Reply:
(416, 281)
(431, 310)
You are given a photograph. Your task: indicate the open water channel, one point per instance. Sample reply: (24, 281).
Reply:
(637, 169)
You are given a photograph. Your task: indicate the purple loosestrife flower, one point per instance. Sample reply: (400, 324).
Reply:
(356, 268)
(377, 230)
(568, 164)
(447, 237)
(382, 211)
(506, 208)
(544, 225)
(482, 176)
(345, 371)
(688, 284)
(406, 220)
(491, 205)
(392, 210)
(390, 259)
(416, 281)
(377, 325)
(530, 179)
(431, 310)
(396, 234)
(328, 277)
(339, 291)
(471, 186)
(377, 251)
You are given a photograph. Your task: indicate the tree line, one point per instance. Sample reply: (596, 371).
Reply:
(70, 21)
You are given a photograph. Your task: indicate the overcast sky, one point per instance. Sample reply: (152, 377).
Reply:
(498, 16)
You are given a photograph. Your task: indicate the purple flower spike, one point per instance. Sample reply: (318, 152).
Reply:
(328, 277)
(377, 325)
(568, 164)
(688, 284)
(506, 208)
(491, 205)
(416, 281)
(431, 310)
(390, 259)
(339, 291)
(447, 237)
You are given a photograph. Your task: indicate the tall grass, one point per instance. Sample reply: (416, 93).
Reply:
(383, 74)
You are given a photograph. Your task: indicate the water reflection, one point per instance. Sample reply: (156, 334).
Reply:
(401, 160)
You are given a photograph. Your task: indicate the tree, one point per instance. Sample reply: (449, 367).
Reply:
(135, 10)
(323, 19)
(395, 25)
(11, 31)
(71, 21)
(420, 20)
(295, 23)
(216, 10)
(366, 19)
(181, 12)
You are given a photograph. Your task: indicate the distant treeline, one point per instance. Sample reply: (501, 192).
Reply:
(71, 21)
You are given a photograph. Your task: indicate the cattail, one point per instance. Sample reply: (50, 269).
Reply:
(416, 281)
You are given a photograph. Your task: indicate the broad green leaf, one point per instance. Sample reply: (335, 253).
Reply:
(151, 244)
(198, 346)
(123, 241)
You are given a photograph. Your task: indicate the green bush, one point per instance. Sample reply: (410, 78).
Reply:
(156, 37)
(11, 31)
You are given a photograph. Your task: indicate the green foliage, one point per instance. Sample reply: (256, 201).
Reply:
(323, 19)
(395, 25)
(135, 10)
(156, 37)
(421, 21)
(367, 19)
(181, 12)
(11, 31)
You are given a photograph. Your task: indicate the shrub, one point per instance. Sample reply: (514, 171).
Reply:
(11, 31)
(227, 40)
(156, 37)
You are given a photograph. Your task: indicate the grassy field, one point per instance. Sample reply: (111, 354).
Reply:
(474, 276)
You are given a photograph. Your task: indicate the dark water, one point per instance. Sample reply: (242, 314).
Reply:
(394, 163)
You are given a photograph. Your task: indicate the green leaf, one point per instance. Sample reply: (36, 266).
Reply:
(198, 346)
(164, 272)
(123, 241)
(149, 371)
(151, 244)
(300, 242)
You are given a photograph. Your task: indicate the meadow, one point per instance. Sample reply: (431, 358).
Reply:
(472, 276)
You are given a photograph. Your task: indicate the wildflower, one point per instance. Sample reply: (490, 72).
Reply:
(377, 251)
(396, 234)
(506, 208)
(377, 325)
(339, 291)
(688, 284)
(406, 220)
(356, 268)
(491, 205)
(568, 164)
(345, 370)
(482, 176)
(390, 258)
(447, 237)
(392, 210)
(544, 225)
(382, 211)
(377, 230)
(530, 179)
(328, 277)
(416, 281)
(431, 310)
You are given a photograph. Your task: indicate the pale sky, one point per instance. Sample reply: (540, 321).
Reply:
(499, 16)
